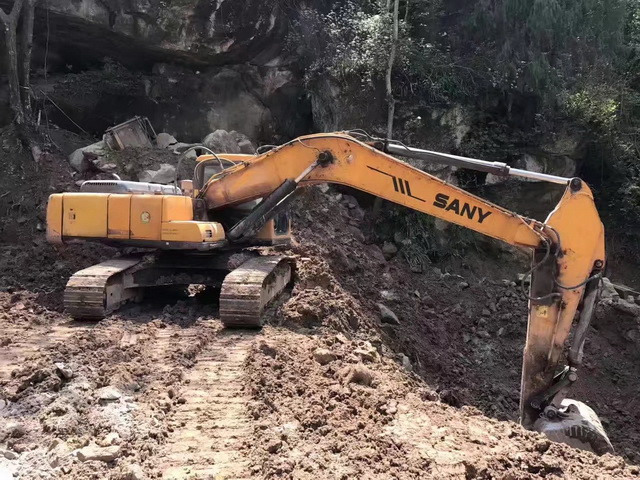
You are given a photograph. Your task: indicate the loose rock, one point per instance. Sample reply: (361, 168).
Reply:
(274, 446)
(221, 141)
(323, 356)
(367, 352)
(9, 455)
(64, 371)
(133, 472)
(406, 363)
(244, 143)
(608, 290)
(164, 174)
(359, 374)
(164, 140)
(12, 430)
(85, 158)
(109, 394)
(101, 454)
(387, 315)
(111, 439)
(389, 249)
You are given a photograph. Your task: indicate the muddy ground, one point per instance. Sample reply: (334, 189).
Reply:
(326, 390)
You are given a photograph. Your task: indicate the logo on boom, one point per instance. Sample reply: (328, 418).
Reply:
(399, 184)
(461, 209)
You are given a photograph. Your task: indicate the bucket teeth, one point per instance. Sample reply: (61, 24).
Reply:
(247, 290)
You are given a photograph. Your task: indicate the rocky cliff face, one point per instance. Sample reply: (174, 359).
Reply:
(191, 66)
(201, 32)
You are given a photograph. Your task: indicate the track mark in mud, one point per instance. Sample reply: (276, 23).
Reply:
(23, 347)
(210, 427)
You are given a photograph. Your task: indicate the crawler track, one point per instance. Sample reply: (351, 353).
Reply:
(247, 290)
(96, 291)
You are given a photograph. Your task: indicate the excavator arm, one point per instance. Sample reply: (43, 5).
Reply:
(568, 248)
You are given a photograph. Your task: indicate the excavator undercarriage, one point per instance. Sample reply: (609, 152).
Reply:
(210, 232)
(247, 283)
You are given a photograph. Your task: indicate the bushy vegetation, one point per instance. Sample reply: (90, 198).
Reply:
(523, 68)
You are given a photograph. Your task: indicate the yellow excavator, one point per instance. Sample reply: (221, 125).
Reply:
(210, 230)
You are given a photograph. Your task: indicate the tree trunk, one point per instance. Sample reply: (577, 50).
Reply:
(27, 46)
(392, 58)
(377, 204)
(14, 80)
(10, 27)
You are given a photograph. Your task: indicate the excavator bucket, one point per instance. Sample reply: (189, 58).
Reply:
(575, 424)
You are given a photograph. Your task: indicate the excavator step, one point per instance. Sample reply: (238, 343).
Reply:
(247, 290)
(96, 291)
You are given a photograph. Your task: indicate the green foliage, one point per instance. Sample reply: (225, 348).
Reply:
(351, 43)
(421, 242)
(597, 107)
(541, 46)
(351, 39)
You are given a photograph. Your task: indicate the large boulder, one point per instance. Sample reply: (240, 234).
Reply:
(91, 157)
(164, 174)
(165, 140)
(244, 143)
(221, 141)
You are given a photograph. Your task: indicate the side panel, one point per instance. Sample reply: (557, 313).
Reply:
(177, 209)
(119, 216)
(146, 217)
(84, 215)
(192, 232)
(54, 218)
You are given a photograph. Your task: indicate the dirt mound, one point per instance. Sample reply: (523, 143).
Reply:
(463, 333)
(27, 261)
(328, 407)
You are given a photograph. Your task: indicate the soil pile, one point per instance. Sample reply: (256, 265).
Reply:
(27, 261)
(463, 333)
(329, 407)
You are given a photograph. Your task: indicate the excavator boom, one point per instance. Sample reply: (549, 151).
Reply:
(568, 248)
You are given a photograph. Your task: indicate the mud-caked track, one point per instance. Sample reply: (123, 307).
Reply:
(210, 425)
(162, 396)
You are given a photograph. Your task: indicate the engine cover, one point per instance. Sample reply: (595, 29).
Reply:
(122, 186)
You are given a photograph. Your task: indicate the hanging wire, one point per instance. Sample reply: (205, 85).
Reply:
(46, 49)
(194, 147)
(308, 146)
(265, 148)
(63, 112)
